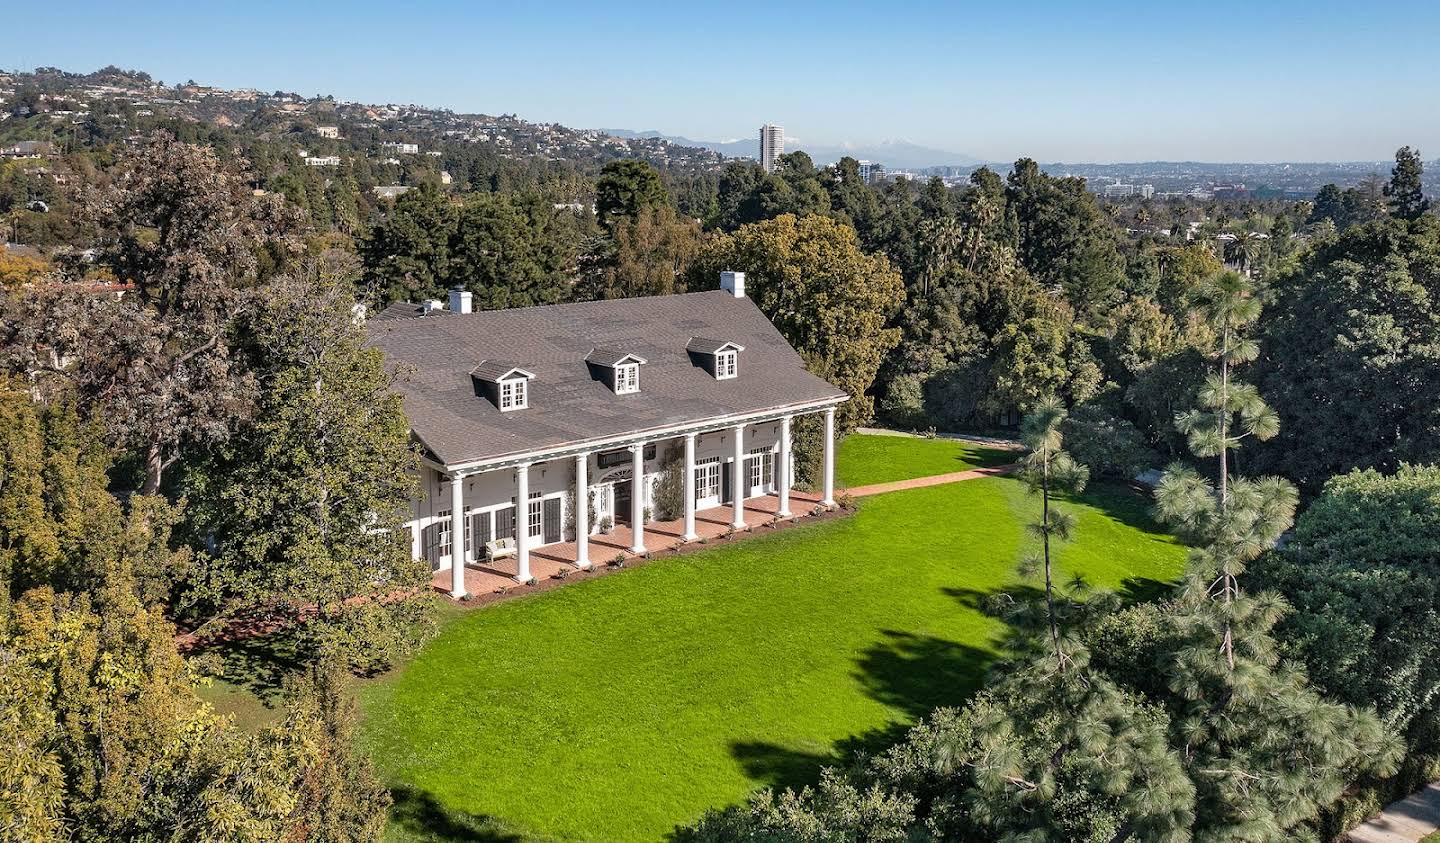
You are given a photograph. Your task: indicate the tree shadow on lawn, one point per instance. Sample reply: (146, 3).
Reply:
(1128, 503)
(422, 817)
(914, 674)
(260, 665)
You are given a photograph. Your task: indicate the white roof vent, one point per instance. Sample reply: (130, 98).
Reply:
(460, 301)
(432, 305)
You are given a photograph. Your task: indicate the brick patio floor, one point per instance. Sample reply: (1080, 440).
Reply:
(486, 577)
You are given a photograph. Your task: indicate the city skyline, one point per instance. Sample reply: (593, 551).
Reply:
(1239, 84)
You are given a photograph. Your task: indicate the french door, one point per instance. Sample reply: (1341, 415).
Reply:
(707, 483)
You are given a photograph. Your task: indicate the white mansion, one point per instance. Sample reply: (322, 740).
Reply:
(532, 403)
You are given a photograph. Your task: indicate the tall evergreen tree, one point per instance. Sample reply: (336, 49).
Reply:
(1263, 749)
(1405, 191)
(1047, 468)
(627, 187)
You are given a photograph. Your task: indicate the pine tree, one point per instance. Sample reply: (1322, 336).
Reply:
(1264, 750)
(1060, 752)
(1048, 468)
(1406, 193)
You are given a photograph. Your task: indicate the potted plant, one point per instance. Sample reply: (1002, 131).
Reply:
(606, 524)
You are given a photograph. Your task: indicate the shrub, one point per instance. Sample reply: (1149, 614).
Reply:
(955, 396)
(670, 487)
(904, 403)
(1109, 445)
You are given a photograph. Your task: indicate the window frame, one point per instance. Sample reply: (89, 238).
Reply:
(443, 543)
(727, 364)
(627, 378)
(535, 516)
(514, 394)
(707, 478)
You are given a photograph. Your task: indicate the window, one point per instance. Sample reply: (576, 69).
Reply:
(533, 516)
(444, 532)
(726, 364)
(512, 395)
(627, 378)
(761, 466)
(707, 478)
(469, 542)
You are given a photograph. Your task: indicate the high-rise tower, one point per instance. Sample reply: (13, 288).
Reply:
(772, 146)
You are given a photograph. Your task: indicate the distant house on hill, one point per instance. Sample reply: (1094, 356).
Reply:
(514, 410)
(331, 132)
(27, 149)
(389, 191)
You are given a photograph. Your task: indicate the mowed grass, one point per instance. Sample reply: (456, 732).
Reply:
(619, 708)
(863, 460)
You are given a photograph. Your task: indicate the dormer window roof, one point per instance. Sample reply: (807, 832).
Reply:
(704, 345)
(505, 384)
(720, 357)
(495, 371)
(609, 358)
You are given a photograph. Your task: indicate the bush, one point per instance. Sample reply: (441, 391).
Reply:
(1109, 445)
(1128, 646)
(670, 487)
(955, 396)
(837, 810)
(904, 403)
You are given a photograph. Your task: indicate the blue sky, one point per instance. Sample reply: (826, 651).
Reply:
(1083, 81)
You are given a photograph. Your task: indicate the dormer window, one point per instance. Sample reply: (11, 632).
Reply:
(505, 384)
(627, 378)
(721, 358)
(620, 369)
(513, 394)
(727, 364)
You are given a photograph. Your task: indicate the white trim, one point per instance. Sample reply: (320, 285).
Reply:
(621, 440)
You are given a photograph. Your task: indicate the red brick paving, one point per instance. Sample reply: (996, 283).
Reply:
(489, 577)
(934, 480)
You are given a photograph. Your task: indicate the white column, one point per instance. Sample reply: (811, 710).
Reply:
(582, 511)
(457, 536)
(690, 535)
(784, 481)
(637, 498)
(829, 499)
(522, 522)
(417, 549)
(737, 478)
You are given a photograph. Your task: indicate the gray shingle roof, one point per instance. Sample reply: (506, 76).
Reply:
(567, 402)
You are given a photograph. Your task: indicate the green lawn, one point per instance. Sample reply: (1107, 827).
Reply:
(615, 709)
(883, 459)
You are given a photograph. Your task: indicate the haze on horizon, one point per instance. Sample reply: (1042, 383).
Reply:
(1106, 82)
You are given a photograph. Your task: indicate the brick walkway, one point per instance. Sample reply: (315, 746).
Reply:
(1406, 821)
(935, 480)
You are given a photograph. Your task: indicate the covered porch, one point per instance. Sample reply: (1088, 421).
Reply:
(487, 577)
